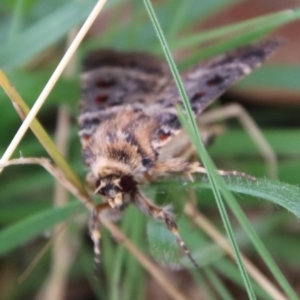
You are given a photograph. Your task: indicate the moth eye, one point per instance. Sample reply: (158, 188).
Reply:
(127, 183)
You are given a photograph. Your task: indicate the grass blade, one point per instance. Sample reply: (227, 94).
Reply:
(29, 228)
(193, 124)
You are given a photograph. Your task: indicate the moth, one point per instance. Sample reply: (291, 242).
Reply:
(128, 115)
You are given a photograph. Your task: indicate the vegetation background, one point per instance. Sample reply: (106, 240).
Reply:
(34, 35)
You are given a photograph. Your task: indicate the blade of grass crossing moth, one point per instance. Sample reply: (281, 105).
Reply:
(40, 133)
(192, 122)
(232, 203)
(218, 183)
(51, 82)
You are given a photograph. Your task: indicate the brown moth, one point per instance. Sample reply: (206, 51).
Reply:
(128, 115)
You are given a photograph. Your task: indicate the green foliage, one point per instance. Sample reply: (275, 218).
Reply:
(30, 29)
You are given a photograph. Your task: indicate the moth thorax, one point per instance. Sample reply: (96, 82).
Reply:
(104, 167)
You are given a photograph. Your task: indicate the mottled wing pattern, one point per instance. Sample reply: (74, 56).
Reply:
(112, 79)
(206, 82)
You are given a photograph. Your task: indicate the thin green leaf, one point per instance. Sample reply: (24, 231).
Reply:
(283, 194)
(209, 166)
(44, 33)
(29, 228)
(269, 22)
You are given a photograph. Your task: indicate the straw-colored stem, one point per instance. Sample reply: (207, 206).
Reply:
(53, 79)
(22, 109)
(149, 266)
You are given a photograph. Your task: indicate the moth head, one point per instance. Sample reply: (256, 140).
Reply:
(114, 187)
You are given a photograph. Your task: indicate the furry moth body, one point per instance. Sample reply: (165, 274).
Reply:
(128, 115)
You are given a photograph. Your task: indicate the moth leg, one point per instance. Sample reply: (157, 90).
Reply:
(95, 234)
(208, 135)
(162, 214)
(94, 230)
(237, 111)
(177, 165)
(195, 167)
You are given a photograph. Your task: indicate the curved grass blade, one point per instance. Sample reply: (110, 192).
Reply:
(216, 181)
(191, 119)
(31, 227)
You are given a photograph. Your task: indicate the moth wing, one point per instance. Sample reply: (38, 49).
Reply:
(112, 79)
(206, 82)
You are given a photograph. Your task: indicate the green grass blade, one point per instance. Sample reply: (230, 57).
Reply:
(270, 21)
(279, 193)
(29, 228)
(193, 124)
(16, 21)
(43, 33)
(41, 134)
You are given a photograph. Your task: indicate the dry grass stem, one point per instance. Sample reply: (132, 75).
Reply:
(22, 109)
(63, 249)
(53, 79)
(150, 267)
(55, 172)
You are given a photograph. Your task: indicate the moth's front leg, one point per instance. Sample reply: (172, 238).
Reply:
(162, 214)
(195, 167)
(184, 167)
(173, 165)
(94, 229)
(102, 210)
